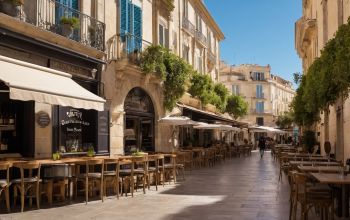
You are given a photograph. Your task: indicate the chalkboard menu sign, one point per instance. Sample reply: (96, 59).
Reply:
(76, 129)
(103, 131)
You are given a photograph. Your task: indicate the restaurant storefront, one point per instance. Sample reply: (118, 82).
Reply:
(50, 100)
(205, 137)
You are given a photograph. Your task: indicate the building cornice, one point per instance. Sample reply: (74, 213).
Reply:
(199, 5)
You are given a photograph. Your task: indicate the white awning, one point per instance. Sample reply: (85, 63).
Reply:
(29, 82)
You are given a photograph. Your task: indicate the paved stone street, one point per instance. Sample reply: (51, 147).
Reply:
(241, 188)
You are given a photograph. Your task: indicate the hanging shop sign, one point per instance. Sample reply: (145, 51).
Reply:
(43, 119)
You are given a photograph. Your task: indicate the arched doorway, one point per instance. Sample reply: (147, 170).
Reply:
(139, 122)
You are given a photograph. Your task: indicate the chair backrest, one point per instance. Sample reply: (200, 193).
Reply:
(110, 164)
(140, 161)
(29, 166)
(5, 166)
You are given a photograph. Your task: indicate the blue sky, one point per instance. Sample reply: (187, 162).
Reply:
(259, 32)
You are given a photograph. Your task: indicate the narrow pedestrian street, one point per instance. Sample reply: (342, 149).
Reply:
(239, 188)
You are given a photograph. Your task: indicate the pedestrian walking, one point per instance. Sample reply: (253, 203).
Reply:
(262, 145)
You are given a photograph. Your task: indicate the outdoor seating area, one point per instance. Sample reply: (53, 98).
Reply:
(317, 183)
(49, 182)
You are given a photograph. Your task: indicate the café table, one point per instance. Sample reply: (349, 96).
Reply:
(337, 179)
(304, 155)
(315, 163)
(320, 159)
(319, 169)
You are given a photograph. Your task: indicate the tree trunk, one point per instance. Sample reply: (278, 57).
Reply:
(326, 124)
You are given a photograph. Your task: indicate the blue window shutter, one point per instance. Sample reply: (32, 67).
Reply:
(137, 27)
(130, 29)
(75, 4)
(124, 20)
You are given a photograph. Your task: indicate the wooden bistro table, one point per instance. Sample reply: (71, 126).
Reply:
(315, 163)
(337, 179)
(319, 169)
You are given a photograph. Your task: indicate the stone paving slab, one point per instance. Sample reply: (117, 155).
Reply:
(238, 189)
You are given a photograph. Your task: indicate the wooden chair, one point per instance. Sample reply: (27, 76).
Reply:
(310, 196)
(5, 183)
(284, 167)
(111, 176)
(141, 171)
(153, 169)
(90, 177)
(28, 184)
(180, 164)
(169, 167)
(126, 173)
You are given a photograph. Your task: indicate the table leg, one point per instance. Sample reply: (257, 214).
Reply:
(345, 200)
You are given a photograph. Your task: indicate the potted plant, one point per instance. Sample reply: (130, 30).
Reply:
(11, 7)
(90, 152)
(56, 156)
(92, 35)
(68, 24)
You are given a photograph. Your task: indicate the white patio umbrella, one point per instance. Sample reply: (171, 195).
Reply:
(266, 129)
(206, 126)
(177, 120)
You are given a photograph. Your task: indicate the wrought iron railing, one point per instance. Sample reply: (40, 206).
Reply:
(187, 25)
(200, 37)
(49, 15)
(126, 46)
(211, 57)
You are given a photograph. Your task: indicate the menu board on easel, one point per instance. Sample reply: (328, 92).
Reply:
(103, 131)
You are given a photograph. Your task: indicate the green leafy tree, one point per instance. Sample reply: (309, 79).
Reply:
(173, 70)
(202, 87)
(222, 92)
(236, 106)
(285, 121)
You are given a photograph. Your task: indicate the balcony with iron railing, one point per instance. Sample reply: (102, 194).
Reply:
(259, 96)
(60, 19)
(126, 46)
(188, 26)
(200, 37)
(260, 112)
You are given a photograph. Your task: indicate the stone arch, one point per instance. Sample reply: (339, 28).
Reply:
(139, 121)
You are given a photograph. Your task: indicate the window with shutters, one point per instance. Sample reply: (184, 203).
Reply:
(259, 92)
(130, 26)
(185, 52)
(235, 89)
(259, 107)
(163, 37)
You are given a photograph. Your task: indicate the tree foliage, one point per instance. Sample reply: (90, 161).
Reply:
(285, 120)
(173, 70)
(203, 88)
(236, 106)
(326, 80)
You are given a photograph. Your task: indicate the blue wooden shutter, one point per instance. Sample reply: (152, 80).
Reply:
(124, 20)
(137, 27)
(130, 38)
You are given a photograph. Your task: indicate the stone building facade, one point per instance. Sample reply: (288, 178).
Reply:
(268, 95)
(319, 22)
(102, 55)
(190, 32)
